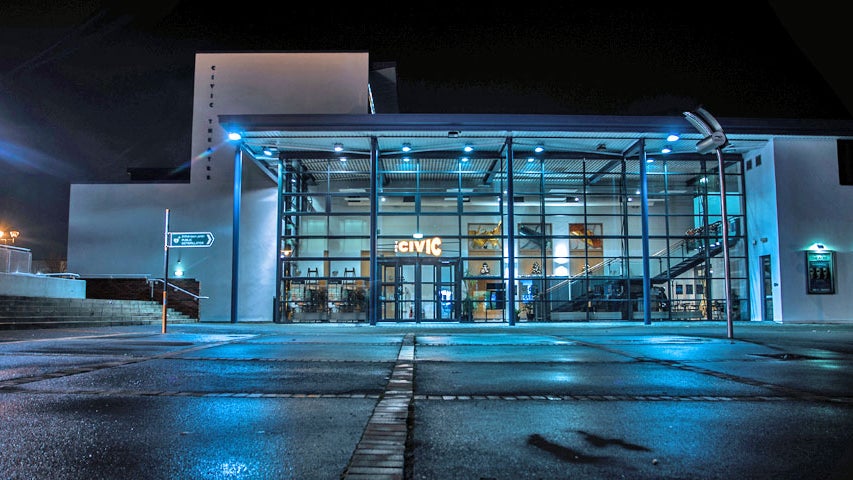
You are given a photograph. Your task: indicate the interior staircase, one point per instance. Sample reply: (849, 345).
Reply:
(46, 312)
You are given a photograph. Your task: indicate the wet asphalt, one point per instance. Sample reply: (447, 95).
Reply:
(428, 401)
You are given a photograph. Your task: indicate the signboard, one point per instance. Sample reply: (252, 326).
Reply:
(430, 246)
(190, 239)
(820, 272)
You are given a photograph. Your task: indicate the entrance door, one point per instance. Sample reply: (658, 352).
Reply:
(419, 290)
(766, 289)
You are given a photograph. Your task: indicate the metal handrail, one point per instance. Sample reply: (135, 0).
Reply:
(61, 275)
(175, 287)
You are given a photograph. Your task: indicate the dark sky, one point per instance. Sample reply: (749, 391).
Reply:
(88, 88)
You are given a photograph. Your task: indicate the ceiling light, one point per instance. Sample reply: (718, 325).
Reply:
(672, 137)
(530, 159)
(406, 159)
(650, 160)
(339, 147)
(666, 149)
(407, 147)
(343, 159)
(468, 148)
(539, 149)
(464, 159)
(268, 151)
(234, 136)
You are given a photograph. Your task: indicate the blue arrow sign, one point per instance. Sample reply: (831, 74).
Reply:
(190, 239)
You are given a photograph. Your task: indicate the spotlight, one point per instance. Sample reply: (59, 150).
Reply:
(672, 137)
(464, 159)
(339, 147)
(234, 136)
(530, 159)
(407, 147)
(539, 149)
(666, 149)
(468, 148)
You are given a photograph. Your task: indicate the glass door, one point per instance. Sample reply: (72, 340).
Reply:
(416, 290)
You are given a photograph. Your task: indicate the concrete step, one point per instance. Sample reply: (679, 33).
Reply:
(38, 312)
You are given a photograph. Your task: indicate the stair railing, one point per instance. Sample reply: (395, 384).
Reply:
(152, 281)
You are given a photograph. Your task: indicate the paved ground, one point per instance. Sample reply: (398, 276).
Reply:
(428, 401)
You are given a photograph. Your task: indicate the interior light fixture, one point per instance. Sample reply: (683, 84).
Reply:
(407, 147)
(418, 235)
(339, 147)
(234, 136)
(268, 151)
(666, 149)
(673, 137)
(406, 159)
(539, 149)
(468, 148)
(343, 159)
(650, 160)
(530, 159)
(464, 159)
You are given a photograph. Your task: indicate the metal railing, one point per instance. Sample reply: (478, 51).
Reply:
(152, 281)
(685, 246)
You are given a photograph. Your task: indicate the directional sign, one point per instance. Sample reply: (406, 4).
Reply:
(190, 239)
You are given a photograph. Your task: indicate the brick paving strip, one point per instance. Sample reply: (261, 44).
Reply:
(380, 454)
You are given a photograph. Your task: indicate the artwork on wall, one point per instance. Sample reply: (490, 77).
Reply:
(532, 236)
(585, 236)
(484, 236)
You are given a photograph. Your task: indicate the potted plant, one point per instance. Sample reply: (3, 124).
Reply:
(354, 305)
(315, 304)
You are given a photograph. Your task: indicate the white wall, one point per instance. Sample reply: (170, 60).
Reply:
(812, 207)
(118, 229)
(762, 229)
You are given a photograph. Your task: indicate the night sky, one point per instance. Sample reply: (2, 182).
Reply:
(88, 89)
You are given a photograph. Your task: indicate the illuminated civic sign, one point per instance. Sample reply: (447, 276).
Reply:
(429, 246)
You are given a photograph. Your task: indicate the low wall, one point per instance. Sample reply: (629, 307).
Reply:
(140, 289)
(29, 285)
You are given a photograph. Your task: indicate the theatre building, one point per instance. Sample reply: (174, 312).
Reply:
(327, 205)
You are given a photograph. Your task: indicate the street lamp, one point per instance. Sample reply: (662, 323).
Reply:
(713, 141)
(12, 234)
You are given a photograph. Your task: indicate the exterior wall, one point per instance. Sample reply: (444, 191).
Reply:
(118, 229)
(762, 221)
(812, 208)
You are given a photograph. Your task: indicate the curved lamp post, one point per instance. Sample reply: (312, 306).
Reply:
(713, 141)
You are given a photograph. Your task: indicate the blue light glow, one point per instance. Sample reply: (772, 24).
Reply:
(672, 137)
(234, 136)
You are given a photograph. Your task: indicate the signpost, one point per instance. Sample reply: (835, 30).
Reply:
(179, 240)
(190, 239)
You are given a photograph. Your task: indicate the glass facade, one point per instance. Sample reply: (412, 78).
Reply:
(504, 233)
